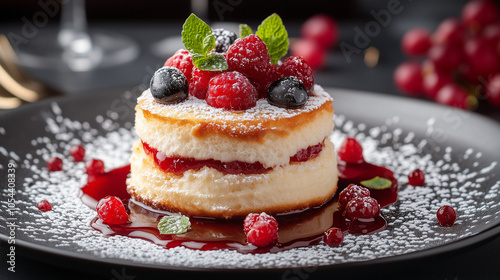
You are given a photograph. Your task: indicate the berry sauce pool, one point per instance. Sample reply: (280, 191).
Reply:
(300, 229)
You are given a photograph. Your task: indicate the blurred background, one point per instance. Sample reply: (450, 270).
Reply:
(153, 21)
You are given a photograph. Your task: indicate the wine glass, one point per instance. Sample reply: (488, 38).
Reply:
(73, 48)
(168, 46)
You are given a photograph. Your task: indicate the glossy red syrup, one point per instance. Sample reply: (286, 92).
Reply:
(354, 173)
(302, 229)
(179, 165)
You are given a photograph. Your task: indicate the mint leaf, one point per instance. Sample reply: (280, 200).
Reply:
(199, 40)
(197, 36)
(211, 62)
(377, 183)
(174, 224)
(245, 30)
(274, 35)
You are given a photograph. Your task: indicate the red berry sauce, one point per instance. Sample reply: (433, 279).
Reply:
(94, 167)
(354, 173)
(299, 229)
(179, 165)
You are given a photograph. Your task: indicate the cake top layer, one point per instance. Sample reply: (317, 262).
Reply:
(196, 108)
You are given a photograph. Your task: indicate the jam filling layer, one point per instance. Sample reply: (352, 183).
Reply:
(178, 165)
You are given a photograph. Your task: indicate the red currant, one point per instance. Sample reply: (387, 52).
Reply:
(112, 211)
(44, 205)
(434, 81)
(333, 236)
(408, 77)
(450, 31)
(416, 42)
(351, 151)
(482, 56)
(479, 13)
(321, 28)
(453, 95)
(94, 167)
(416, 178)
(311, 51)
(466, 73)
(55, 164)
(352, 191)
(446, 57)
(446, 216)
(493, 91)
(77, 152)
(362, 208)
(492, 34)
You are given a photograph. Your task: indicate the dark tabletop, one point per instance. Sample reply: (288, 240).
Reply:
(478, 261)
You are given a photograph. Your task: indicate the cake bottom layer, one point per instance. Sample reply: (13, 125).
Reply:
(210, 193)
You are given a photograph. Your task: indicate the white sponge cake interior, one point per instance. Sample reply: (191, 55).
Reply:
(265, 133)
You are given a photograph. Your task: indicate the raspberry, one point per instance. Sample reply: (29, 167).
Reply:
(416, 178)
(262, 85)
(55, 164)
(198, 85)
(232, 91)
(77, 152)
(249, 221)
(298, 67)
(112, 211)
(352, 191)
(183, 61)
(446, 216)
(362, 208)
(44, 206)
(333, 236)
(249, 56)
(351, 151)
(261, 229)
(94, 167)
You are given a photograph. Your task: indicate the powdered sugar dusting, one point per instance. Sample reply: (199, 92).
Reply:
(463, 179)
(193, 107)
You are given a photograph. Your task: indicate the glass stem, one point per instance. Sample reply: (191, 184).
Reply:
(73, 22)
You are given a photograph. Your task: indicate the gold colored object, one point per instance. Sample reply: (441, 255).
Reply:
(371, 57)
(15, 83)
(8, 101)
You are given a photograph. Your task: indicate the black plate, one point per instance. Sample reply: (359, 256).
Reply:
(458, 149)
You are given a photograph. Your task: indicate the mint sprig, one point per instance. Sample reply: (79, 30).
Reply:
(377, 183)
(198, 39)
(174, 224)
(273, 33)
(245, 30)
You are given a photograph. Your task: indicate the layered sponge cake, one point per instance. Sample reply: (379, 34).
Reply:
(240, 135)
(265, 136)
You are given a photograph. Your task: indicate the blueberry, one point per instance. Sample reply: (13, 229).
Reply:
(223, 39)
(169, 85)
(287, 92)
